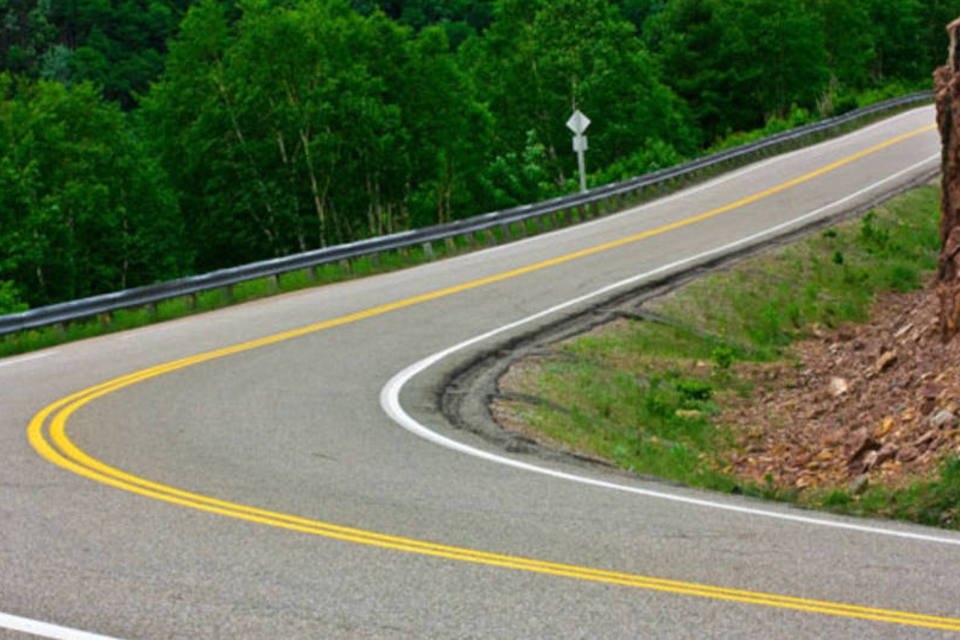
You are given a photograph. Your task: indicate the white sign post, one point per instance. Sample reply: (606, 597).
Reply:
(578, 123)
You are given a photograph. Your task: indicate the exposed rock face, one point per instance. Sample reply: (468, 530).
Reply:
(850, 412)
(947, 87)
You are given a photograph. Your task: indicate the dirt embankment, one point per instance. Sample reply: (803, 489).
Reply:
(871, 402)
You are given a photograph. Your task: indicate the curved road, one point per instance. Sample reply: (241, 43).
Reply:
(264, 472)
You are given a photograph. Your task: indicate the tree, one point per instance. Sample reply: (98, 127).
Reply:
(541, 60)
(849, 39)
(897, 30)
(451, 133)
(25, 36)
(740, 62)
(118, 45)
(82, 209)
(306, 124)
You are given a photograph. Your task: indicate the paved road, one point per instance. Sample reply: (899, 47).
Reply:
(262, 491)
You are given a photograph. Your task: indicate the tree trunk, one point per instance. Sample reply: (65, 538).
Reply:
(947, 87)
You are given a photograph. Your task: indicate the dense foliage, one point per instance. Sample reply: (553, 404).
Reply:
(143, 139)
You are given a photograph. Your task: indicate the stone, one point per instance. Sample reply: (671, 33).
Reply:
(944, 419)
(902, 331)
(884, 428)
(923, 442)
(887, 452)
(838, 386)
(886, 360)
(859, 442)
(908, 454)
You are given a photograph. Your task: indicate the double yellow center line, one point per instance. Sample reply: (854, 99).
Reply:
(47, 433)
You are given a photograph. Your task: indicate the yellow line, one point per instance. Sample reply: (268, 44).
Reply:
(61, 451)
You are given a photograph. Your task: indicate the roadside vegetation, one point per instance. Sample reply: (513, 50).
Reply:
(658, 393)
(143, 140)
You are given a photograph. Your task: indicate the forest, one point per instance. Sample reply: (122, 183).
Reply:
(142, 140)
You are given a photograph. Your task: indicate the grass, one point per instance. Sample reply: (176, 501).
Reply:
(643, 394)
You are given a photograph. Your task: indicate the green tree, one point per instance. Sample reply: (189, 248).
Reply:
(307, 124)
(451, 134)
(937, 14)
(82, 210)
(10, 301)
(740, 62)
(26, 33)
(541, 60)
(899, 41)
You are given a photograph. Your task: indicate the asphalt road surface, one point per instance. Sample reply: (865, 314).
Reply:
(278, 469)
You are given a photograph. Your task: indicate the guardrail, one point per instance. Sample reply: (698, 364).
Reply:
(572, 208)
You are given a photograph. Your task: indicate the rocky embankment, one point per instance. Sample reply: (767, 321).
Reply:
(877, 402)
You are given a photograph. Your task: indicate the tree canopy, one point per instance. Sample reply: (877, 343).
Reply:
(145, 139)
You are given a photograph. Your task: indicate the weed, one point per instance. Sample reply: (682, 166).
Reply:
(723, 357)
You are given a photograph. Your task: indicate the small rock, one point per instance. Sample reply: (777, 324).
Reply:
(884, 428)
(838, 386)
(924, 441)
(944, 419)
(845, 335)
(886, 360)
(859, 345)
(858, 485)
(858, 442)
(908, 454)
(902, 331)
(887, 452)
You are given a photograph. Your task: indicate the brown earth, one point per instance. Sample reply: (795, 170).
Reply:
(875, 402)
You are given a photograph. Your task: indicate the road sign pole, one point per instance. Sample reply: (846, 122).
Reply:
(578, 123)
(580, 144)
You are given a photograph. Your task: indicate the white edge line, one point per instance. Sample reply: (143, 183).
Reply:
(390, 394)
(46, 630)
(6, 362)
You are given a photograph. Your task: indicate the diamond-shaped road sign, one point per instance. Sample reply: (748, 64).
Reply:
(578, 122)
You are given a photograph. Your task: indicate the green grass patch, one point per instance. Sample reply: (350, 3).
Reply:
(642, 397)
(643, 394)
(825, 280)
